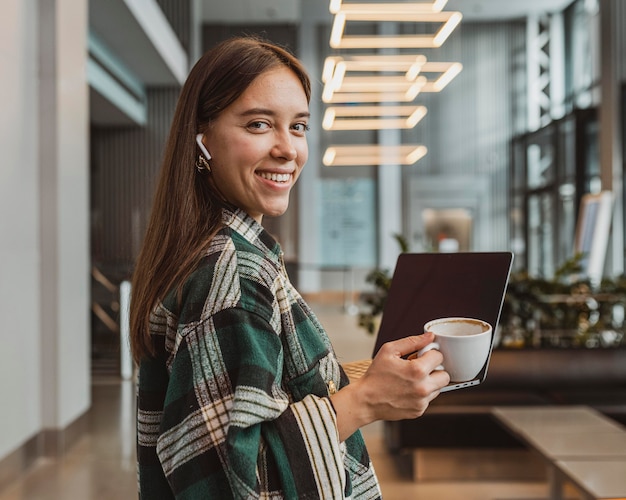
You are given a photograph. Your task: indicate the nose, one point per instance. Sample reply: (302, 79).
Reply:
(284, 147)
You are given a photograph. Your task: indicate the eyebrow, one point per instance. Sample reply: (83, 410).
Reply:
(269, 112)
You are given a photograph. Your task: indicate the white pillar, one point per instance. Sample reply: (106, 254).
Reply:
(389, 189)
(532, 71)
(126, 359)
(557, 66)
(389, 205)
(610, 127)
(64, 212)
(19, 226)
(44, 220)
(195, 51)
(309, 233)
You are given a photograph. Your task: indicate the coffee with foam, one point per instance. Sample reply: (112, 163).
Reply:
(464, 343)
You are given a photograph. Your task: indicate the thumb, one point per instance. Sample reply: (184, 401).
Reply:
(409, 345)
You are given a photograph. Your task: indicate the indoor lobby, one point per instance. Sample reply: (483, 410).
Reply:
(436, 127)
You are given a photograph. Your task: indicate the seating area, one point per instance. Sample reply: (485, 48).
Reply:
(517, 377)
(594, 462)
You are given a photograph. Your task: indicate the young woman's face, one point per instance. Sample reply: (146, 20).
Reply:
(258, 144)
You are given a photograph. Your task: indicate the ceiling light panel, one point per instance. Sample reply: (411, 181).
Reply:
(337, 6)
(448, 21)
(412, 77)
(374, 154)
(372, 117)
(410, 65)
(446, 72)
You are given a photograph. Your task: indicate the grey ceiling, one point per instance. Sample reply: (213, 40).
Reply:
(242, 11)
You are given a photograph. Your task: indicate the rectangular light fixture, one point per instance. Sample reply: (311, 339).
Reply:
(375, 89)
(339, 88)
(365, 155)
(335, 67)
(446, 70)
(372, 117)
(380, 83)
(370, 97)
(448, 21)
(375, 8)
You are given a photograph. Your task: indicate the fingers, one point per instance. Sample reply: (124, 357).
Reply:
(407, 345)
(428, 367)
(425, 370)
(395, 388)
(440, 378)
(408, 348)
(431, 361)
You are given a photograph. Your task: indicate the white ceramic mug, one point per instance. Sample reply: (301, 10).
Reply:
(464, 343)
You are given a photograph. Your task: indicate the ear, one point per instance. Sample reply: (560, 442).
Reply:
(202, 147)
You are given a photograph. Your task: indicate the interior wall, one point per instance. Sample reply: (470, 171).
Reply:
(20, 384)
(125, 162)
(44, 285)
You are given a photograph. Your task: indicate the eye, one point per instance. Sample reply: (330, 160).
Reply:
(301, 128)
(258, 126)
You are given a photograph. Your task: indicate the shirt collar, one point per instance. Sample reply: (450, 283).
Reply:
(253, 232)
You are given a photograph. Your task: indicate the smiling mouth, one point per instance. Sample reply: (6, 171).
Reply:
(275, 177)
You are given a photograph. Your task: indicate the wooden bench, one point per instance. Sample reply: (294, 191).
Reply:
(517, 377)
(578, 444)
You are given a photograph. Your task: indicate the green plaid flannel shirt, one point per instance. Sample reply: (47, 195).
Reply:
(235, 403)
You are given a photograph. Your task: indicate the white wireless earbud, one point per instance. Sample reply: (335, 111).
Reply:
(202, 147)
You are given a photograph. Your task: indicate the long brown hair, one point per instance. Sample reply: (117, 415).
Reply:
(186, 212)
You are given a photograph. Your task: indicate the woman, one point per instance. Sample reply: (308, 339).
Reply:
(240, 394)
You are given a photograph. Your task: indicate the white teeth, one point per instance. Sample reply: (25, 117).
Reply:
(275, 177)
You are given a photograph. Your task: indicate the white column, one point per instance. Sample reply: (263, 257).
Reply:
(389, 189)
(195, 51)
(126, 359)
(309, 233)
(557, 66)
(610, 129)
(19, 226)
(64, 212)
(389, 205)
(532, 71)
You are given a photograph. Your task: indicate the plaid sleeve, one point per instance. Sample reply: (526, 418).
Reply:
(229, 427)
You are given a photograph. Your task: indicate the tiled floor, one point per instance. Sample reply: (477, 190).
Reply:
(102, 465)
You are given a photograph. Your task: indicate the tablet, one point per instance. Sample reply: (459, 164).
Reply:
(427, 286)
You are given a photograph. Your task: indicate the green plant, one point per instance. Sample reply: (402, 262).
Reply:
(564, 311)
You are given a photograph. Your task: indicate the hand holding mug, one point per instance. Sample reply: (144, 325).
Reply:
(396, 388)
(464, 343)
